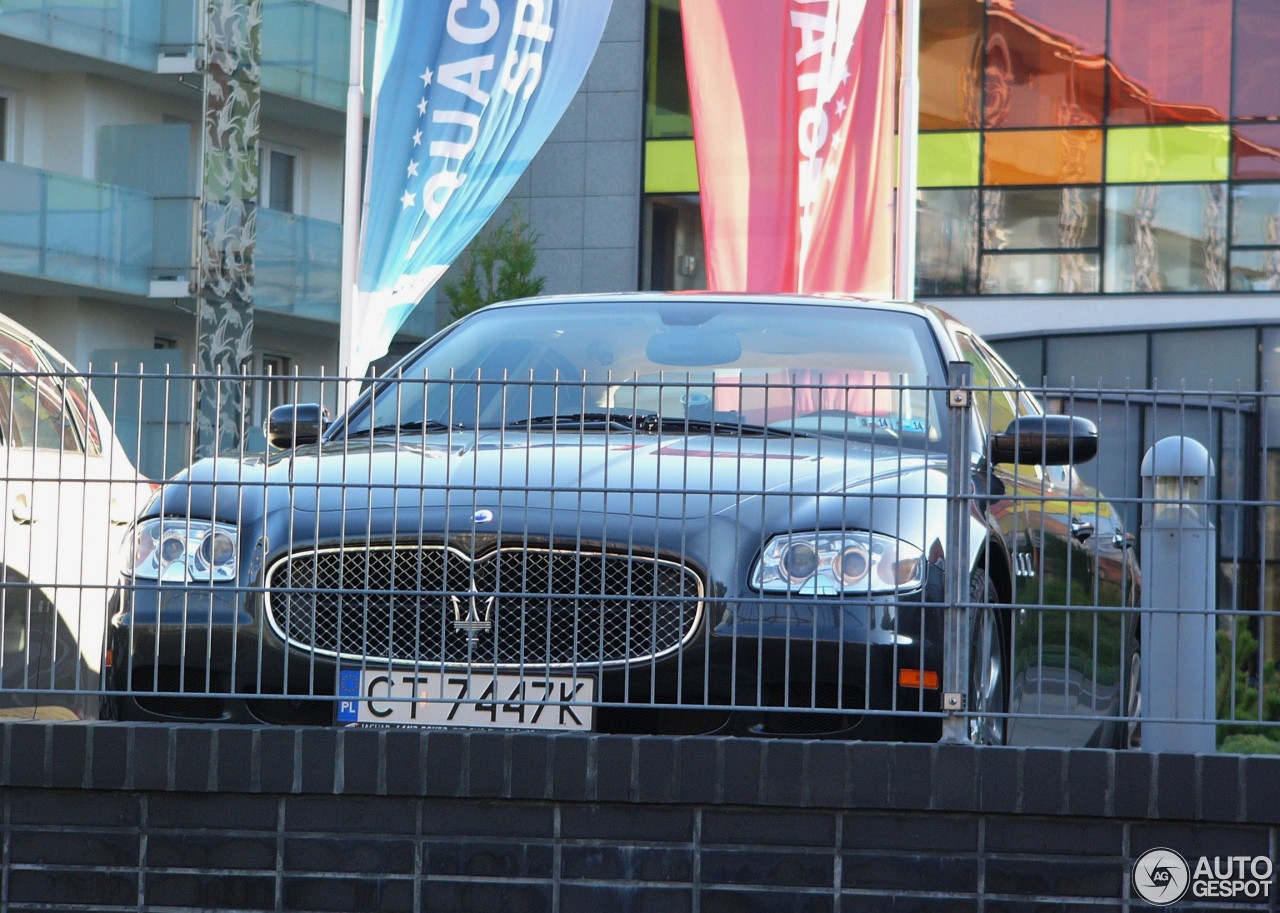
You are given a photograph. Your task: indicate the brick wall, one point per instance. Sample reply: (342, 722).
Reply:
(107, 817)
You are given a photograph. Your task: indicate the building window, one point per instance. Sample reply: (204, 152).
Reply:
(4, 129)
(1166, 238)
(675, 256)
(278, 179)
(1040, 241)
(278, 383)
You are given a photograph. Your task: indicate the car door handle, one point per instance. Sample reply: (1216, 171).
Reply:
(1080, 530)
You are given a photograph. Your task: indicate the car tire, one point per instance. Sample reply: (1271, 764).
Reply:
(988, 697)
(1129, 732)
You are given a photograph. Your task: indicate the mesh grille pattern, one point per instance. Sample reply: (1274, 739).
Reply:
(532, 607)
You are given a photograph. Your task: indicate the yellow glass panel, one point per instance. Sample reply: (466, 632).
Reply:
(670, 167)
(948, 159)
(1042, 157)
(1152, 155)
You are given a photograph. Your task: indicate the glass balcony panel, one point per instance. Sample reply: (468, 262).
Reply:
(1170, 66)
(1256, 65)
(1039, 274)
(1045, 64)
(950, 61)
(297, 265)
(305, 51)
(127, 32)
(1051, 218)
(1166, 238)
(1255, 152)
(1042, 157)
(71, 230)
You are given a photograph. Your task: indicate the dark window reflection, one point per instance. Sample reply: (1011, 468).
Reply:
(947, 242)
(667, 85)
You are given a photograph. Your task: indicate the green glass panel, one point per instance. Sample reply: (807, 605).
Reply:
(670, 166)
(948, 159)
(1152, 155)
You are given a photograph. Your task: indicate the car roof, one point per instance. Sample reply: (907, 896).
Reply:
(831, 299)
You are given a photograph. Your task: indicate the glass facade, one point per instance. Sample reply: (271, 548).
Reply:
(1088, 147)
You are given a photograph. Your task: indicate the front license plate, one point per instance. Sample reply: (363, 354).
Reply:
(380, 697)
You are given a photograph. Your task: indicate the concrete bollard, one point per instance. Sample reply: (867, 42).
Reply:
(1179, 596)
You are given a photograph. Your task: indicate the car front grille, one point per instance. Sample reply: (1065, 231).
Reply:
(510, 607)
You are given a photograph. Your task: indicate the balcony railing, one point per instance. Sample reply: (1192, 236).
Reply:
(73, 230)
(297, 265)
(304, 45)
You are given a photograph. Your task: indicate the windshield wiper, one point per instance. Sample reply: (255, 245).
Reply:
(657, 423)
(652, 423)
(428, 427)
(575, 420)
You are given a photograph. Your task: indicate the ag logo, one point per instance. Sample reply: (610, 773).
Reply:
(1161, 876)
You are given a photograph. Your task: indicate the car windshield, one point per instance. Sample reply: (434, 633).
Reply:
(787, 367)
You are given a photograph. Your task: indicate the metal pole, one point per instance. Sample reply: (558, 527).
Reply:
(904, 273)
(1179, 598)
(955, 615)
(351, 193)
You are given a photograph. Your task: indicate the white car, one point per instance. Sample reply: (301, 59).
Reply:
(69, 491)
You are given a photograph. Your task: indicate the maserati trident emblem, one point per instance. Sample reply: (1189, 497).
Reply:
(476, 618)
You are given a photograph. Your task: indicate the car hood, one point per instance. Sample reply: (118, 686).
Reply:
(660, 475)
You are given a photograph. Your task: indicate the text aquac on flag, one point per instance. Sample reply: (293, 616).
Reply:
(464, 94)
(793, 106)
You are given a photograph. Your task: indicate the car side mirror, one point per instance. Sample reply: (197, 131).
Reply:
(293, 425)
(1044, 440)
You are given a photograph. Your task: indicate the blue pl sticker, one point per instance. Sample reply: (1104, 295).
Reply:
(348, 692)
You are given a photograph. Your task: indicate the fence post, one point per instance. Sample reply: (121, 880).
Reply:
(1179, 596)
(955, 628)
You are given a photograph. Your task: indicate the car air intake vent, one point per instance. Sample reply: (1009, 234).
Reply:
(509, 608)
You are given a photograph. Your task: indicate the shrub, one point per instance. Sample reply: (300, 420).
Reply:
(498, 266)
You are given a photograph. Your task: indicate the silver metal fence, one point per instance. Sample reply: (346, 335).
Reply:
(803, 556)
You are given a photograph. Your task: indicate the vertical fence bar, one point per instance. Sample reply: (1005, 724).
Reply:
(955, 643)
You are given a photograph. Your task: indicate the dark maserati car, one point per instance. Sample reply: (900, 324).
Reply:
(642, 513)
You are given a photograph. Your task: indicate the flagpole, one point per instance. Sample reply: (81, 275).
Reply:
(904, 276)
(351, 195)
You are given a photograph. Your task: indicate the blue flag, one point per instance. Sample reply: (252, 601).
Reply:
(464, 94)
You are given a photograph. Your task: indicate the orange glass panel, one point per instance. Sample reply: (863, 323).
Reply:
(1042, 157)
(950, 50)
(1170, 61)
(1255, 153)
(1044, 63)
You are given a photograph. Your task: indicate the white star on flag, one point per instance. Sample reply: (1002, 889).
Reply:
(426, 77)
(417, 138)
(841, 107)
(422, 106)
(413, 170)
(407, 200)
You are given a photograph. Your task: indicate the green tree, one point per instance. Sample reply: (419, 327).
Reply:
(498, 266)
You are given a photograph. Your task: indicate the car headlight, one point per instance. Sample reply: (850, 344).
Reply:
(836, 563)
(181, 551)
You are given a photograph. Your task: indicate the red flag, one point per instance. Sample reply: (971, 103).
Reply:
(793, 123)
